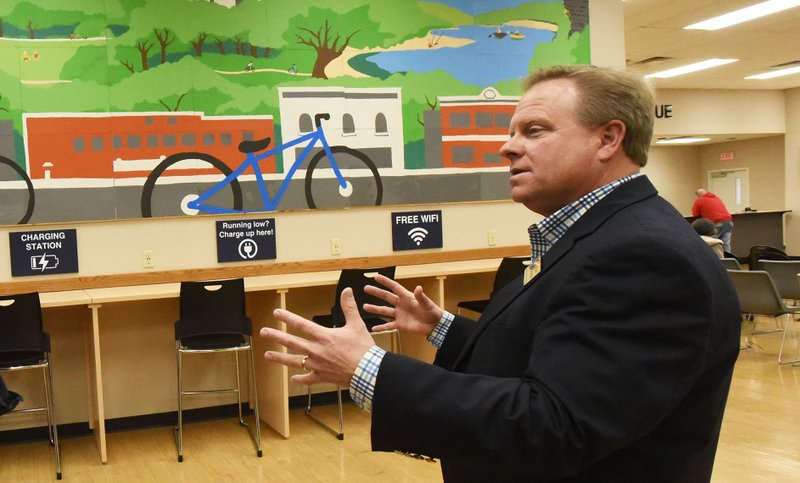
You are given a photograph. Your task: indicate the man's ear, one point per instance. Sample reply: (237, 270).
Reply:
(612, 134)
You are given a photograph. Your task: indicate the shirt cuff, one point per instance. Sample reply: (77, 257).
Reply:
(362, 385)
(437, 335)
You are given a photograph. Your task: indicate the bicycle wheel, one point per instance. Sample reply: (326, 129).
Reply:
(169, 194)
(364, 185)
(16, 194)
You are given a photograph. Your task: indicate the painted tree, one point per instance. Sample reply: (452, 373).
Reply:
(151, 25)
(204, 90)
(388, 23)
(252, 26)
(326, 44)
(143, 47)
(202, 22)
(5, 9)
(352, 23)
(165, 38)
(329, 33)
(36, 16)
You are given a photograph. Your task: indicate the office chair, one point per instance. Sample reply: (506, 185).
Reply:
(784, 274)
(356, 279)
(213, 320)
(24, 345)
(731, 263)
(765, 252)
(758, 295)
(509, 269)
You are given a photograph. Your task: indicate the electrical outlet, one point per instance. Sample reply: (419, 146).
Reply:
(147, 259)
(336, 246)
(491, 238)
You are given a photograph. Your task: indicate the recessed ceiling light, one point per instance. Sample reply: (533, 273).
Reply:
(744, 14)
(686, 69)
(775, 73)
(682, 140)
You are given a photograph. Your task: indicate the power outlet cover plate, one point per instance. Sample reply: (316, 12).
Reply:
(147, 259)
(336, 246)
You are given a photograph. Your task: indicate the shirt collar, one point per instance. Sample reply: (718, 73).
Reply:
(545, 233)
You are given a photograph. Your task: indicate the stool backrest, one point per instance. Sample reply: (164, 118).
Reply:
(212, 307)
(510, 268)
(21, 324)
(357, 279)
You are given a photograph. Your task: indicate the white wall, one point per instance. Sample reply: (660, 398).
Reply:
(764, 159)
(675, 171)
(792, 171)
(186, 243)
(696, 111)
(607, 24)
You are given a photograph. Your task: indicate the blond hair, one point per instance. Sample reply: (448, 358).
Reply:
(606, 94)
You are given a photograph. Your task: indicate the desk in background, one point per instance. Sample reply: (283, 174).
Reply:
(755, 228)
(152, 306)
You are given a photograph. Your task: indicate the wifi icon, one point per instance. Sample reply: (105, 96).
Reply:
(418, 234)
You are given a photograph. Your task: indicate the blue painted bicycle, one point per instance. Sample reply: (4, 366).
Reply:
(334, 173)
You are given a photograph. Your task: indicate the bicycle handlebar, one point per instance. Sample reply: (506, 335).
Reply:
(319, 117)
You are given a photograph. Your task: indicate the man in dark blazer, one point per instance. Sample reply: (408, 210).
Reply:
(610, 360)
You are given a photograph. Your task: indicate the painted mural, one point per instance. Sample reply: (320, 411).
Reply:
(115, 109)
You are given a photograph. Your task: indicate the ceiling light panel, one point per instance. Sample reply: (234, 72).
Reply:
(687, 69)
(744, 14)
(683, 140)
(775, 73)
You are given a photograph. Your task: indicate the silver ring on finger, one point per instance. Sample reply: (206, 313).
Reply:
(303, 363)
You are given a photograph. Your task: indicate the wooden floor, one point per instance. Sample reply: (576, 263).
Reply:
(760, 442)
(760, 439)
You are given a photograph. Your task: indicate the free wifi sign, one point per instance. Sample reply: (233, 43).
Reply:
(416, 230)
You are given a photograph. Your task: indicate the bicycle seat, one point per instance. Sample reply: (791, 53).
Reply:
(254, 145)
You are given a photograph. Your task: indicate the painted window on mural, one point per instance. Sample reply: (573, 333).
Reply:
(305, 123)
(348, 125)
(381, 126)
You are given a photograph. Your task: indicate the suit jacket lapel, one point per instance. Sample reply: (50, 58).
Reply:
(631, 192)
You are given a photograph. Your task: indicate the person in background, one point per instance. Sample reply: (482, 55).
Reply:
(8, 399)
(609, 360)
(708, 232)
(708, 205)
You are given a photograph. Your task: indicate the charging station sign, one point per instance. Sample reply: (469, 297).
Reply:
(43, 252)
(246, 240)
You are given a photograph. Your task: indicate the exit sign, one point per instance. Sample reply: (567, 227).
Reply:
(726, 156)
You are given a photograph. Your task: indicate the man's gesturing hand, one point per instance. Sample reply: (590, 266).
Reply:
(411, 311)
(332, 354)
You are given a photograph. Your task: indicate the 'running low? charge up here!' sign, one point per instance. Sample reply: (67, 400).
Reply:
(245, 240)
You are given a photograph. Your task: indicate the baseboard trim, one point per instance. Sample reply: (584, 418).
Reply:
(169, 418)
